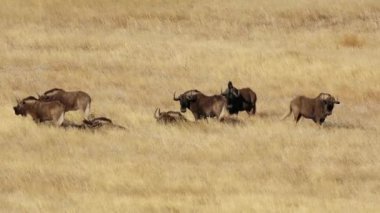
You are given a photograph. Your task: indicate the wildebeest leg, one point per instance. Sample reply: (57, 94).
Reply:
(297, 118)
(320, 121)
(37, 120)
(196, 116)
(60, 119)
(87, 111)
(252, 110)
(223, 113)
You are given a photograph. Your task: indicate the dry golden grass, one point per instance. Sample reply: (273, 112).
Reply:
(130, 56)
(352, 41)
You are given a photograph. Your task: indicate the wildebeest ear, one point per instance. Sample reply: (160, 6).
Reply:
(336, 101)
(230, 86)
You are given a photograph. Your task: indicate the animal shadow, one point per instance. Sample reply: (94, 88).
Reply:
(232, 121)
(330, 125)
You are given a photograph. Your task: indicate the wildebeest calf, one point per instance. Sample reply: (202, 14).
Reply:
(168, 117)
(40, 111)
(316, 109)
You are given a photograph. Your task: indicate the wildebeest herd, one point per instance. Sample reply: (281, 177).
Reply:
(52, 105)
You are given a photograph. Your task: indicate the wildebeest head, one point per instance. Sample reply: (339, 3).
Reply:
(20, 108)
(328, 102)
(231, 93)
(186, 98)
(50, 95)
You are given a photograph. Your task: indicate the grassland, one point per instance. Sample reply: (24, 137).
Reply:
(130, 56)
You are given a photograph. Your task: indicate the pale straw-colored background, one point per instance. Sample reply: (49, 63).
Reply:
(130, 56)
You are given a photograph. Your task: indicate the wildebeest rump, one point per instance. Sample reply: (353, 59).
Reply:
(240, 100)
(316, 109)
(41, 111)
(75, 100)
(168, 117)
(202, 106)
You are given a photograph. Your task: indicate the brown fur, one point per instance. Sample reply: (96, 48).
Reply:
(316, 109)
(76, 100)
(202, 106)
(41, 111)
(240, 99)
(100, 122)
(168, 117)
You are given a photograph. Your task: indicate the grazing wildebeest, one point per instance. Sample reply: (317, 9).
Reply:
(240, 100)
(202, 106)
(100, 122)
(40, 111)
(76, 100)
(168, 117)
(316, 109)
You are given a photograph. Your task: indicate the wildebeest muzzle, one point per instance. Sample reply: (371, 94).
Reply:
(184, 105)
(18, 111)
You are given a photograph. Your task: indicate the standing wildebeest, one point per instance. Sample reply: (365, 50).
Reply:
(240, 100)
(316, 109)
(41, 111)
(72, 101)
(168, 117)
(202, 106)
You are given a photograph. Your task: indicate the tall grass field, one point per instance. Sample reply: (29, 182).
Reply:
(132, 55)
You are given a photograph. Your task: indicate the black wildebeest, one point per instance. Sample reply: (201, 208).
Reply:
(168, 117)
(75, 100)
(240, 100)
(317, 108)
(40, 111)
(202, 106)
(100, 122)
(94, 123)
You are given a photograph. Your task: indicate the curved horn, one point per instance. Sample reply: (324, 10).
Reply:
(324, 96)
(155, 113)
(175, 98)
